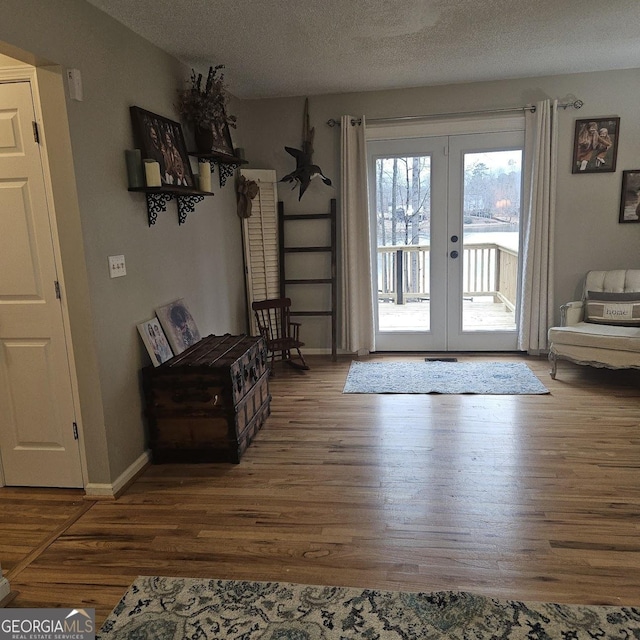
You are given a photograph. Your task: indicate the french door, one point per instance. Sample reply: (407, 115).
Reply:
(445, 250)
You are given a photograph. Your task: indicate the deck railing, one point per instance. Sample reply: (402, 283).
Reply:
(489, 269)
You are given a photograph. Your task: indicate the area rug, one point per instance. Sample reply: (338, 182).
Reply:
(177, 608)
(504, 378)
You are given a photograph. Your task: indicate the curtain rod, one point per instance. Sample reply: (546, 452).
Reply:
(575, 104)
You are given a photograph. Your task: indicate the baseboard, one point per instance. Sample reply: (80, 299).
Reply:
(323, 351)
(100, 491)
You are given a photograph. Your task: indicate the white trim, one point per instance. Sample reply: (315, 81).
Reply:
(104, 490)
(322, 351)
(57, 251)
(18, 74)
(444, 127)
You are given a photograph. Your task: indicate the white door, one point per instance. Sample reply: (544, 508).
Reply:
(38, 436)
(445, 250)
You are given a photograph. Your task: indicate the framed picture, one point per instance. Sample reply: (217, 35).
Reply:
(630, 198)
(179, 325)
(155, 341)
(161, 139)
(222, 139)
(595, 145)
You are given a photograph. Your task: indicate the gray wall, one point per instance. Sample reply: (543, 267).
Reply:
(200, 260)
(588, 235)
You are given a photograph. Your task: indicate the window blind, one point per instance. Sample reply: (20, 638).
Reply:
(260, 241)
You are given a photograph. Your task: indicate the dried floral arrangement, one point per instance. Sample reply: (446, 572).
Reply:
(203, 107)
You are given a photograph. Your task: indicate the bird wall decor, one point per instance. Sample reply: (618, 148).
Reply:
(305, 170)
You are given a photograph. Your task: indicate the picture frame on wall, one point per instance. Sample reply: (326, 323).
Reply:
(595, 145)
(162, 140)
(630, 197)
(155, 341)
(222, 139)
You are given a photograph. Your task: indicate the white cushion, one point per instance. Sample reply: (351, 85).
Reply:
(602, 336)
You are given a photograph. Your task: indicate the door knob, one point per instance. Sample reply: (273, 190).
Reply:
(454, 238)
(454, 254)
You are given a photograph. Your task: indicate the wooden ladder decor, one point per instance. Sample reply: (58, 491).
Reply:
(330, 281)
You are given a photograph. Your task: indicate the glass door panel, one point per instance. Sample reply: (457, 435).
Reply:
(491, 236)
(403, 211)
(484, 211)
(403, 205)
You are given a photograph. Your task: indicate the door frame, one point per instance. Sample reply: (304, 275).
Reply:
(29, 74)
(435, 128)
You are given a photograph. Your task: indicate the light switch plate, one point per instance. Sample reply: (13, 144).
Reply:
(117, 266)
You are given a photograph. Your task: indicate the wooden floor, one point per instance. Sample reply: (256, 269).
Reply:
(523, 497)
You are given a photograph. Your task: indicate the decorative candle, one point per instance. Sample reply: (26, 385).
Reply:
(152, 173)
(204, 171)
(134, 168)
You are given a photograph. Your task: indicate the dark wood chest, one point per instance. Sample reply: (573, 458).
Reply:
(207, 404)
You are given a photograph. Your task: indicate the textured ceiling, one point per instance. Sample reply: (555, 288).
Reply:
(299, 47)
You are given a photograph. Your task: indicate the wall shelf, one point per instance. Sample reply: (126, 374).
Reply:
(226, 164)
(158, 197)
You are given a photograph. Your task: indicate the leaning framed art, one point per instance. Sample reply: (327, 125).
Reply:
(155, 341)
(595, 145)
(179, 325)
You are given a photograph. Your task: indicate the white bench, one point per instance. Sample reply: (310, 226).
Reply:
(604, 341)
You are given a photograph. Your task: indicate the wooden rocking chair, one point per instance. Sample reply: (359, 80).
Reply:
(280, 334)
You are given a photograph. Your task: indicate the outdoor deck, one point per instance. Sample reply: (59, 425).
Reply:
(480, 313)
(489, 282)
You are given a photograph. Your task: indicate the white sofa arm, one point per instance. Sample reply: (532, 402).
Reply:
(571, 313)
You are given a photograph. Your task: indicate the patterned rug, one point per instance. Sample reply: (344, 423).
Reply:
(503, 378)
(176, 608)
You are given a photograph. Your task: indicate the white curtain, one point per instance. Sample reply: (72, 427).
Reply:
(357, 302)
(539, 204)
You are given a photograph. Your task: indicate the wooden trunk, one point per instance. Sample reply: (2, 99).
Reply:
(207, 404)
